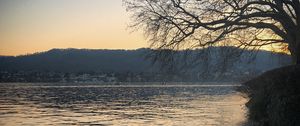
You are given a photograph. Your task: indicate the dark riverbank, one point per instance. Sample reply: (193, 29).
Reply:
(274, 97)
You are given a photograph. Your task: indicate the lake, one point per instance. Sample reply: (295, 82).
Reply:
(130, 104)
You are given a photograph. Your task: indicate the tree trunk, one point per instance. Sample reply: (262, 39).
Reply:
(297, 58)
(297, 43)
(297, 53)
(295, 50)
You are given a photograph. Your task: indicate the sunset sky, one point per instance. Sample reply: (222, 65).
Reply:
(29, 26)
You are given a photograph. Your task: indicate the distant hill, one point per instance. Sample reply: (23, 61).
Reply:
(79, 60)
(86, 60)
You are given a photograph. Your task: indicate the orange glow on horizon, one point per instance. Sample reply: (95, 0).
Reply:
(34, 26)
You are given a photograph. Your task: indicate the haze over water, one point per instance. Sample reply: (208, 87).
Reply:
(81, 104)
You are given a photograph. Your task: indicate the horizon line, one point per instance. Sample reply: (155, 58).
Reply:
(113, 49)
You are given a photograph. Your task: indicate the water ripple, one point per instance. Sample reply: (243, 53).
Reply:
(102, 105)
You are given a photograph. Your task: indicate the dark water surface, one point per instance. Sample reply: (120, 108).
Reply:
(80, 104)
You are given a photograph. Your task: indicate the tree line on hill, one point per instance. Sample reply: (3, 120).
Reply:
(137, 62)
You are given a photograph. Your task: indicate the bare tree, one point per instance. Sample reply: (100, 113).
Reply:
(250, 24)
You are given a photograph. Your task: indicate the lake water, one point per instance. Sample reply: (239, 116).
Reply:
(82, 104)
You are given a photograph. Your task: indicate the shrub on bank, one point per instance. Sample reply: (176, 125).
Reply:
(274, 97)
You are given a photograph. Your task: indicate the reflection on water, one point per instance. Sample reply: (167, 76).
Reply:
(34, 104)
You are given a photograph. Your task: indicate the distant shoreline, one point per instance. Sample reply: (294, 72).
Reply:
(130, 84)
